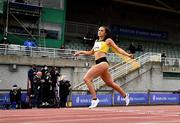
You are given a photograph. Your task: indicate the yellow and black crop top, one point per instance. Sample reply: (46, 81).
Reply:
(101, 46)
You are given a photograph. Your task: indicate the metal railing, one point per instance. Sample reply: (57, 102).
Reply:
(171, 61)
(29, 2)
(123, 68)
(19, 50)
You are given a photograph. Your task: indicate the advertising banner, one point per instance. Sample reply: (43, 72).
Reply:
(135, 98)
(169, 98)
(138, 32)
(85, 100)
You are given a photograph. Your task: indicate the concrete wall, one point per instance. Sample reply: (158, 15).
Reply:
(8, 78)
(151, 78)
(73, 70)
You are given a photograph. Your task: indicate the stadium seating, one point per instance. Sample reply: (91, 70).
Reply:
(171, 50)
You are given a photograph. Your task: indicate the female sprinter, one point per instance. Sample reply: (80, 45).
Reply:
(101, 47)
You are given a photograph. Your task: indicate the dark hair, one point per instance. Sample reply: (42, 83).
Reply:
(107, 31)
(33, 65)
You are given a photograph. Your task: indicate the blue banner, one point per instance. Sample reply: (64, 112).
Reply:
(135, 98)
(5, 98)
(138, 32)
(106, 99)
(169, 98)
(85, 100)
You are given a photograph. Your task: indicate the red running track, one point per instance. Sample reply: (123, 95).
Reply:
(121, 114)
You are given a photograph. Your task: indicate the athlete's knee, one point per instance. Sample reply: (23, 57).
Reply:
(110, 84)
(86, 80)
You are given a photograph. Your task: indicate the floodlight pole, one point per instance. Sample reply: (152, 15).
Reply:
(7, 19)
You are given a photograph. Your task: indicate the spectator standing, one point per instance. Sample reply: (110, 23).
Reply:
(163, 57)
(132, 48)
(37, 89)
(15, 97)
(64, 89)
(30, 83)
(54, 78)
(46, 88)
(44, 71)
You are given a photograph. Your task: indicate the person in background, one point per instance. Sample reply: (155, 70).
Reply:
(30, 82)
(5, 43)
(132, 48)
(29, 43)
(163, 57)
(44, 70)
(5, 40)
(64, 89)
(62, 46)
(45, 88)
(54, 78)
(15, 96)
(37, 89)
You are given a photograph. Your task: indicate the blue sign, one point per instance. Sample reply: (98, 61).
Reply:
(138, 32)
(135, 98)
(85, 100)
(5, 98)
(164, 98)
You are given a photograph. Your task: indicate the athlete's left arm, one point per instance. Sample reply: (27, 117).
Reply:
(111, 43)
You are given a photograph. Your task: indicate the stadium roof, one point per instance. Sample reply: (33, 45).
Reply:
(164, 5)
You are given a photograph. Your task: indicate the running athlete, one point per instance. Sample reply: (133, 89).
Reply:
(100, 49)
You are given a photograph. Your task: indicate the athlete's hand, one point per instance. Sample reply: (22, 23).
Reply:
(76, 53)
(131, 56)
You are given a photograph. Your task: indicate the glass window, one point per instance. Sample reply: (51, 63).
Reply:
(58, 4)
(171, 75)
(52, 31)
(1, 6)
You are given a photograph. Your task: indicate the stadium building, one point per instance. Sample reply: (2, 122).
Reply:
(58, 28)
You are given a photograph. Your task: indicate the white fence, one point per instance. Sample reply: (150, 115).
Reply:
(18, 50)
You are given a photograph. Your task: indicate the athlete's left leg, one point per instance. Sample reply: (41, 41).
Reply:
(107, 78)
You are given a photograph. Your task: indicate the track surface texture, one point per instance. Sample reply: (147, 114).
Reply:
(120, 114)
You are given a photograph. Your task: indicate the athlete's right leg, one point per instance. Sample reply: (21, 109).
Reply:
(92, 73)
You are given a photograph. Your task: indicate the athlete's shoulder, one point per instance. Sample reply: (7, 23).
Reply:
(109, 41)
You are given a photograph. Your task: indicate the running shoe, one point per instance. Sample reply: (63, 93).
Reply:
(94, 103)
(127, 100)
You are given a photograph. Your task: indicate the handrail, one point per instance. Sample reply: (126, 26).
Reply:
(19, 50)
(171, 61)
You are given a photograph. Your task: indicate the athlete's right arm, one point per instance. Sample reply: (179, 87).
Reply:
(91, 52)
